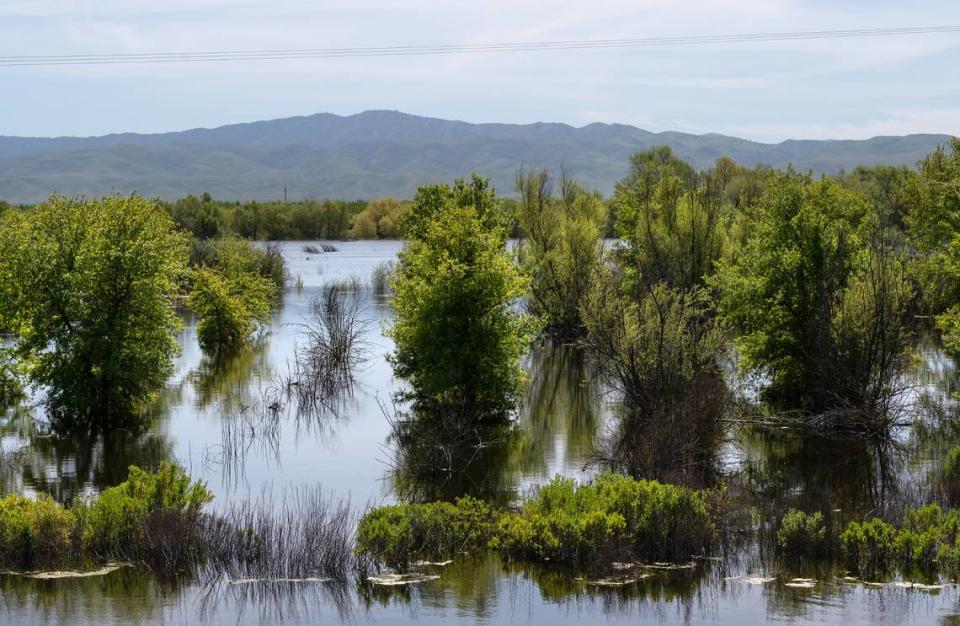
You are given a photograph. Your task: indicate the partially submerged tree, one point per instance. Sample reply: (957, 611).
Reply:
(231, 295)
(89, 290)
(819, 297)
(458, 333)
(562, 248)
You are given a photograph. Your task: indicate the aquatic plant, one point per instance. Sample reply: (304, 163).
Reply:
(802, 534)
(614, 518)
(381, 276)
(398, 534)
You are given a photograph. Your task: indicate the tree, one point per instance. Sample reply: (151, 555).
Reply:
(90, 290)
(820, 298)
(933, 223)
(561, 250)
(669, 221)
(458, 334)
(231, 295)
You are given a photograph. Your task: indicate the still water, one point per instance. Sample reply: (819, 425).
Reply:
(205, 419)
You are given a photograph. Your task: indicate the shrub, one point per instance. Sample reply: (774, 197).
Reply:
(34, 531)
(561, 250)
(585, 526)
(869, 546)
(113, 525)
(399, 533)
(802, 534)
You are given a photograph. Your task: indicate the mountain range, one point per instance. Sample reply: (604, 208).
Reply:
(377, 153)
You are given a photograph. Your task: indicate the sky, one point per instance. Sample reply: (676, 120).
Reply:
(838, 89)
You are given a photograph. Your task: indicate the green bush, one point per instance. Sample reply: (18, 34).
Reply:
(613, 518)
(34, 531)
(802, 534)
(869, 546)
(112, 525)
(400, 533)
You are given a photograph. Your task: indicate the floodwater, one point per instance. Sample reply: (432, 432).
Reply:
(206, 420)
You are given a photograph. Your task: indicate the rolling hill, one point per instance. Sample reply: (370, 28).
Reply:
(378, 153)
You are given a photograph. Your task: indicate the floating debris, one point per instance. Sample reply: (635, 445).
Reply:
(395, 580)
(801, 583)
(433, 563)
(253, 581)
(905, 584)
(614, 582)
(622, 566)
(868, 583)
(731, 577)
(52, 575)
(850, 579)
(759, 580)
(670, 566)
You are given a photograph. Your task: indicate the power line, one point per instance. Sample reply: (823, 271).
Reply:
(446, 49)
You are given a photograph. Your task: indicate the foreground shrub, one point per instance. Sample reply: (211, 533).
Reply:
(115, 524)
(401, 533)
(34, 531)
(585, 526)
(802, 534)
(869, 546)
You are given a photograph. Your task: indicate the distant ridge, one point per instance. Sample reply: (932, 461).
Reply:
(378, 153)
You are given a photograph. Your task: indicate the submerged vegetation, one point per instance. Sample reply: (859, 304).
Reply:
(233, 286)
(590, 526)
(458, 334)
(88, 292)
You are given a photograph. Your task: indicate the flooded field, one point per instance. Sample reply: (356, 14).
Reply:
(207, 419)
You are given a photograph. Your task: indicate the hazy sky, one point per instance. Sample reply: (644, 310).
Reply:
(851, 88)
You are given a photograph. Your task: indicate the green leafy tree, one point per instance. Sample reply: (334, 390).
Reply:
(933, 223)
(231, 294)
(670, 222)
(458, 333)
(821, 300)
(562, 248)
(89, 290)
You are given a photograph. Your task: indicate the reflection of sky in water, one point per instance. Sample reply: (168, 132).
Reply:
(562, 415)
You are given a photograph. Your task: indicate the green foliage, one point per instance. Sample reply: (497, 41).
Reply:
(457, 332)
(34, 531)
(820, 296)
(561, 250)
(869, 545)
(88, 290)
(401, 533)
(661, 353)
(586, 526)
(670, 223)
(205, 218)
(380, 219)
(233, 286)
(114, 523)
(802, 534)
(933, 223)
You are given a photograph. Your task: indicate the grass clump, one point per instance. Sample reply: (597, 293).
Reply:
(584, 526)
(381, 276)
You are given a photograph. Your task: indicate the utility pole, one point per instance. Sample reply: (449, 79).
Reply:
(284, 194)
